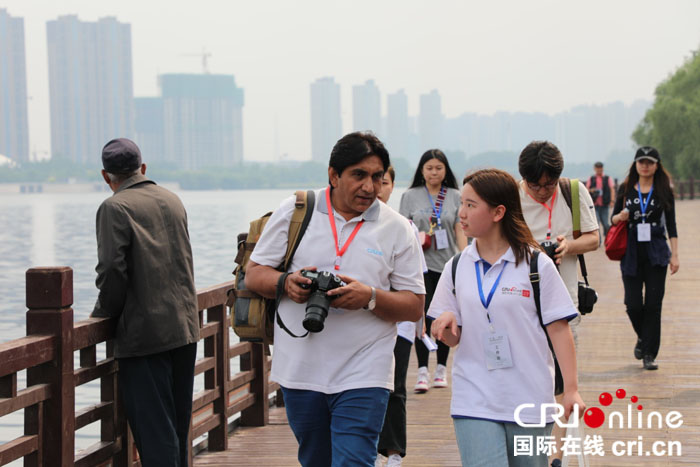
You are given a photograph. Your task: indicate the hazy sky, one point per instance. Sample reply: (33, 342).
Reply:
(519, 55)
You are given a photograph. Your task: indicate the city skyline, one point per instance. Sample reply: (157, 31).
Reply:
(14, 124)
(90, 85)
(482, 59)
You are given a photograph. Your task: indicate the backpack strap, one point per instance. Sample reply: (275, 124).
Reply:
(535, 282)
(570, 192)
(303, 210)
(575, 213)
(455, 261)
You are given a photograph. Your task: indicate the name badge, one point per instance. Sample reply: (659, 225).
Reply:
(497, 351)
(441, 239)
(644, 232)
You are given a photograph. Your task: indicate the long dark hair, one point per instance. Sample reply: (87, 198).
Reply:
(662, 184)
(499, 188)
(449, 181)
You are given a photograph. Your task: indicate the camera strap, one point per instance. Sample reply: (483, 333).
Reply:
(278, 298)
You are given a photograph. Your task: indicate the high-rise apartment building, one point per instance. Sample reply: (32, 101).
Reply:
(149, 128)
(430, 121)
(397, 125)
(366, 108)
(14, 129)
(326, 125)
(202, 120)
(90, 85)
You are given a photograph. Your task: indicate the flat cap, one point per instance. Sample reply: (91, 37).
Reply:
(121, 156)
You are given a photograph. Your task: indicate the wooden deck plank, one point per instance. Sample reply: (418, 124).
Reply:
(606, 340)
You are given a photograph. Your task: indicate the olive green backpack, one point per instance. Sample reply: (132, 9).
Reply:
(252, 316)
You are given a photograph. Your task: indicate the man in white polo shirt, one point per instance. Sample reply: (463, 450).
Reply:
(336, 382)
(549, 218)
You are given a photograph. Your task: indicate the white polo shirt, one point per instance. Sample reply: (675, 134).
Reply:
(355, 349)
(537, 217)
(494, 394)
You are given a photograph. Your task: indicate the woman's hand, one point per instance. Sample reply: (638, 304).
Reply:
(622, 216)
(445, 329)
(675, 264)
(569, 399)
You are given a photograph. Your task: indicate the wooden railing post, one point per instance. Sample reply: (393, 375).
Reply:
(257, 414)
(49, 299)
(218, 437)
(691, 182)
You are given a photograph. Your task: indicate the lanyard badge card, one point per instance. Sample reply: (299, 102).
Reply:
(496, 344)
(441, 241)
(643, 228)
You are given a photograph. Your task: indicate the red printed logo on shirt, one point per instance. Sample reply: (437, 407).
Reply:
(515, 291)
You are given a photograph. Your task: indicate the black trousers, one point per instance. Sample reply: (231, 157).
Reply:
(431, 279)
(644, 310)
(393, 435)
(157, 394)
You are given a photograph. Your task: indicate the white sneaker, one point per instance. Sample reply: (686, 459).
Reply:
(394, 461)
(380, 461)
(422, 381)
(440, 380)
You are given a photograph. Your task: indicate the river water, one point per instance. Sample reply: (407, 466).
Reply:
(47, 229)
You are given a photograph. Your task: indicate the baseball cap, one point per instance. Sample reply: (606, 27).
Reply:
(647, 152)
(121, 156)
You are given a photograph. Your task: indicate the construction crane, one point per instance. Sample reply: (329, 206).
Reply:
(205, 59)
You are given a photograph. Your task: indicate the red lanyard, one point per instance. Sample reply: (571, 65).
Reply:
(549, 210)
(339, 252)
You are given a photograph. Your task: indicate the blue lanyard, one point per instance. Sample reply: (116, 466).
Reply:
(437, 212)
(644, 203)
(484, 301)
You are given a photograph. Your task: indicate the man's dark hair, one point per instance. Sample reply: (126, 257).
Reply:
(598, 164)
(540, 158)
(354, 147)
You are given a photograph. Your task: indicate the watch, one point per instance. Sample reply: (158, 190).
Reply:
(372, 300)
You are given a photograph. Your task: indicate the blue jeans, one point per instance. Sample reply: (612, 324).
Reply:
(602, 213)
(336, 429)
(483, 443)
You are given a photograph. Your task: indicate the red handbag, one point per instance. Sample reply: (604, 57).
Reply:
(616, 241)
(425, 240)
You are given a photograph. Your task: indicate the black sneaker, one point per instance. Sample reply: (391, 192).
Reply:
(556, 463)
(649, 363)
(638, 350)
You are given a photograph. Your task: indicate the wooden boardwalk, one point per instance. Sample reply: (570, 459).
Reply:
(606, 364)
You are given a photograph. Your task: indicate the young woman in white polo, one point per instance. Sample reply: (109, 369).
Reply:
(503, 359)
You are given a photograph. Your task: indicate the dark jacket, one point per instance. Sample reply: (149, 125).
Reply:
(661, 220)
(144, 270)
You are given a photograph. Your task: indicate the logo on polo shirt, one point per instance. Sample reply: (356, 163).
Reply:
(515, 291)
(374, 252)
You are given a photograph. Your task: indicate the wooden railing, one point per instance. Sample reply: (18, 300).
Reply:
(688, 189)
(48, 401)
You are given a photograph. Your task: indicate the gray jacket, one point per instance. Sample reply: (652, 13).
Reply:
(144, 270)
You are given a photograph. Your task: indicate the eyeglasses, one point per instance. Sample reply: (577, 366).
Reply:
(547, 186)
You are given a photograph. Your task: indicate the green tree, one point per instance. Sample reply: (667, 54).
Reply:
(672, 124)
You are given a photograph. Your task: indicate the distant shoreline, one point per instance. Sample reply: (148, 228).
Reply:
(78, 187)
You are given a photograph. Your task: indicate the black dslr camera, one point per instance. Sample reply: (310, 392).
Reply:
(318, 303)
(550, 247)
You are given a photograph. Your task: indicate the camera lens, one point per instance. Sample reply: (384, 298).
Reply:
(316, 312)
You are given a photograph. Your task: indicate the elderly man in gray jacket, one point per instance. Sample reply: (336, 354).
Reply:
(146, 281)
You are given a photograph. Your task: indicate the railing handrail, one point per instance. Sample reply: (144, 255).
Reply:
(47, 353)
